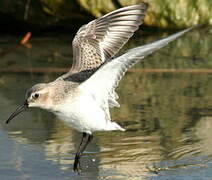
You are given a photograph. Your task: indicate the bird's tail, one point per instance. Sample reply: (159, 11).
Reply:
(112, 126)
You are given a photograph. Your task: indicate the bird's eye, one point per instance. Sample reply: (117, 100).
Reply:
(36, 95)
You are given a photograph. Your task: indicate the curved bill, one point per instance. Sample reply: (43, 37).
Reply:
(20, 109)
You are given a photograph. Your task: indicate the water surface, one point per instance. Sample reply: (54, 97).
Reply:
(168, 116)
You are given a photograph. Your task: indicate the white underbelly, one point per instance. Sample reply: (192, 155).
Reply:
(83, 114)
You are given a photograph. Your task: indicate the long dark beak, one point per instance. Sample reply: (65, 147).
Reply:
(20, 109)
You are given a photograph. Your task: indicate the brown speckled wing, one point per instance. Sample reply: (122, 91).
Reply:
(99, 40)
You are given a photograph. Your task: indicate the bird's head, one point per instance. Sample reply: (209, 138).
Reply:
(37, 96)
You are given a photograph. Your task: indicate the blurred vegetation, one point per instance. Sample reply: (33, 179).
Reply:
(161, 13)
(192, 51)
(72, 14)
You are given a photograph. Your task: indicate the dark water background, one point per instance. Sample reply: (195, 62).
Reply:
(168, 116)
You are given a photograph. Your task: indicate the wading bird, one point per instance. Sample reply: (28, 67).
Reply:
(82, 97)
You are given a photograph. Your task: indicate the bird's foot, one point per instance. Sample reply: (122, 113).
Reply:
(77, 167)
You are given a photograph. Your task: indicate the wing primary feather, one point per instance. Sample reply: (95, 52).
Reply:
(107, 77)
(99, 40)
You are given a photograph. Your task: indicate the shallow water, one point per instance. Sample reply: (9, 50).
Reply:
(168, 116)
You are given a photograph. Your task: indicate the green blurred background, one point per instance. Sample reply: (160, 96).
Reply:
(70, 14)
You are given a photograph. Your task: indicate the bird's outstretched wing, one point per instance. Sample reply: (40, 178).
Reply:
(107, 77)
(99, 40)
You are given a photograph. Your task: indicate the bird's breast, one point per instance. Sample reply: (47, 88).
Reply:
(82, 113)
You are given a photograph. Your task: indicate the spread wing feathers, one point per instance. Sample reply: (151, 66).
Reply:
(102, 38)
(103, 82)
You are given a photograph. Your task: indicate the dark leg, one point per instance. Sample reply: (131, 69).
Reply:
(86, 138)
